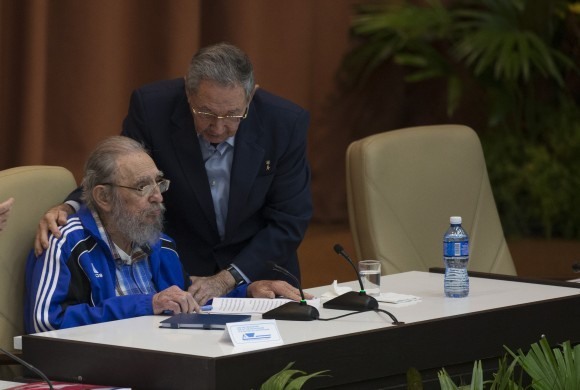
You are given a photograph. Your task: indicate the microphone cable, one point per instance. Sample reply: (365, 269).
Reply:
(30, 367)
(341, 252)
(395, 320)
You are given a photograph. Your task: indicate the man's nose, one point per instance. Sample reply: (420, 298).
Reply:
(219, 125)
(156, 195)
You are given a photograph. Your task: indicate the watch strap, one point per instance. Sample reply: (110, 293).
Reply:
(236, 274)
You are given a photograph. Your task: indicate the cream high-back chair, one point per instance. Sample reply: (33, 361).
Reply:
(402, 187)
(35, 189)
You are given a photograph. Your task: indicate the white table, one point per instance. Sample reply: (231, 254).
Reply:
(496, 312)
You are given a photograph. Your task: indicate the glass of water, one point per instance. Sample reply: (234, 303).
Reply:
(370, 274)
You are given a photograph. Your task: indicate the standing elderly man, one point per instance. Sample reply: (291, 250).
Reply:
(236, 158)
(111, 260)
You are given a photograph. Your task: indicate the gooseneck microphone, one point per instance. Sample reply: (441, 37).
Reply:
(292, 311)
(352, 300)
(340, 250)
(30, 367)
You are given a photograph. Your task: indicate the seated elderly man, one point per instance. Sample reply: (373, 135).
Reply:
(112, 260)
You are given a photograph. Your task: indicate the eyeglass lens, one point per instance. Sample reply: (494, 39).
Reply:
(163, 186)
(213, 117)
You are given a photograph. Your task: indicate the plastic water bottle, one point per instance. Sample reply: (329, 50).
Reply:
(456, 257)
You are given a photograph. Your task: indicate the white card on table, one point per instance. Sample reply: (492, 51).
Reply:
(254, 332)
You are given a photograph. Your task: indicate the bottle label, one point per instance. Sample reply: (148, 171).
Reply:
(452, 249)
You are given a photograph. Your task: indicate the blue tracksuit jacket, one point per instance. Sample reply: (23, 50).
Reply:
(72, 283)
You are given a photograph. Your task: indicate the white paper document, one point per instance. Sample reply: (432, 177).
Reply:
(390, 297)
(252, 305)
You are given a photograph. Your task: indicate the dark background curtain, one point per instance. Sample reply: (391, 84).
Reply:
(68, 68)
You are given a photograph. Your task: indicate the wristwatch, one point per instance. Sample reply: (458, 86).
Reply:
(236, 274)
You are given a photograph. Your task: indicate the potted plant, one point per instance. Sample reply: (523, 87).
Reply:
(520, 59)
(541, 368)
(289, 379)
(546, 368)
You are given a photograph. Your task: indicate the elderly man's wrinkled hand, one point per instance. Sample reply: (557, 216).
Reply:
(174, 299)
(51, 221)
(204, 288)
(275, 288)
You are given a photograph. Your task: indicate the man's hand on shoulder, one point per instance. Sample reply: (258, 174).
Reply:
(275, 288)
(53, 218)
(204, 288)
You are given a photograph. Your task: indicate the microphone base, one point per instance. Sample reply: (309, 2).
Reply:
(292, 311)
(352, 301)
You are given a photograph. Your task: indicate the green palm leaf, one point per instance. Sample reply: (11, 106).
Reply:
(284, 379)
(551, 368)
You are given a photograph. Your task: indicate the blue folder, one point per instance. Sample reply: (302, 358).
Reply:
(202, 321)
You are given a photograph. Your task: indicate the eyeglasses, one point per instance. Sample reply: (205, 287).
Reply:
(210, 116)
(145, 190)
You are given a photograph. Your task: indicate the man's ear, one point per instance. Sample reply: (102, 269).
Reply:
(102, 197)
(256, 86)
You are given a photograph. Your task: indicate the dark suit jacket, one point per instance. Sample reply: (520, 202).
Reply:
(270, 202)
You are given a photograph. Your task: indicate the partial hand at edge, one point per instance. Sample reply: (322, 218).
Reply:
(275, 288)
(5, 208)
(53, 218)
(175, 299)
(204, 288)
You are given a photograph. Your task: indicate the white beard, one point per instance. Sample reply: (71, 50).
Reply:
(138, 228)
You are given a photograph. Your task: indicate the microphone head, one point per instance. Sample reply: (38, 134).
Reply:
(284, 271)
(340, 251)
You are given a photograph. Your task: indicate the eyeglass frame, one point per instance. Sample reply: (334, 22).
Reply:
(212, 116)
(142, 191)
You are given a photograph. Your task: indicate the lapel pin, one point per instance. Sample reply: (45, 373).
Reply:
(267, 165)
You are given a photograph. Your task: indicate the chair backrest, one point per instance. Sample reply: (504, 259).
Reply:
(402, 187)
(35, 189)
